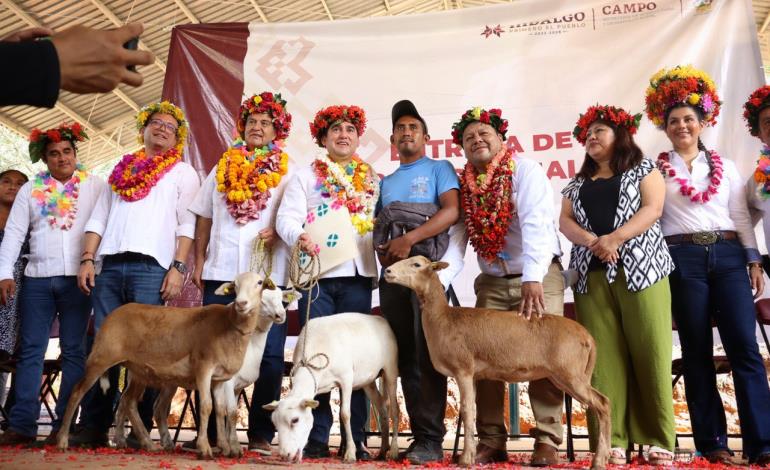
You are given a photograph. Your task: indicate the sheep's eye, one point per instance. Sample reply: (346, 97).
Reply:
(294, 421)
(259, 283)
(416, 265)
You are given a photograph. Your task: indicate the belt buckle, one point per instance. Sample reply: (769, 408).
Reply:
(705, 238)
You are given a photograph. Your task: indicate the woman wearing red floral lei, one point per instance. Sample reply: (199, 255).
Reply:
(610, 214)
(711, 239)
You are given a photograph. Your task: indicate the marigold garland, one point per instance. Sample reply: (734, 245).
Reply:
(136, 174)
(355, 186)
(762, 173)
(487, 205)
(685, 188)
(58, 207)
(617, 116)
(754, 105)
(681, 85)
(246, 177)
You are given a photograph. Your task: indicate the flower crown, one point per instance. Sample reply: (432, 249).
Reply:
(617, 116)
(493, 117)
(267, 103)
(38, 139)
(327, 117)
(758, 101)
(163, 107)
(681, 85)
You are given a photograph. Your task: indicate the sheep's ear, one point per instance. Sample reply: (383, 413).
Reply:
(290, 296)
(225, 289)
(269, 284)
(270, 406)
(439, 265)
(309, 403)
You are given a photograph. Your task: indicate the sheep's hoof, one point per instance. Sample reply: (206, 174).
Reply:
(350, 456)
(205, 453)
(392, 453)
(466, 459)
(234, 452)
(62, 442)
(167, 445)
(151, 447)
(120, 443)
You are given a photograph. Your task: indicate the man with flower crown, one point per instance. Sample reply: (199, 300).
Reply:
(756, 112)
(336, 180)
(140, 233)
(509, 213)
(54, 208)
(235, 221)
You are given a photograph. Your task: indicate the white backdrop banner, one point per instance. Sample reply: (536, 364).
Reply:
(541, 61)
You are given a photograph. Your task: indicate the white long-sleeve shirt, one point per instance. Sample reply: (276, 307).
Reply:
(53, 251)
(150, 225)
(531, 242)
(726, 210)
(301, 196)
(230, 243)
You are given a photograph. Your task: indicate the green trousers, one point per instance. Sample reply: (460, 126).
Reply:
(632, 331)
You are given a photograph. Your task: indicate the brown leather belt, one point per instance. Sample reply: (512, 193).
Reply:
(702, 238)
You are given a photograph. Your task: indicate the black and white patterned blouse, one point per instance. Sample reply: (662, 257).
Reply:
(9, 313)
(645, 258)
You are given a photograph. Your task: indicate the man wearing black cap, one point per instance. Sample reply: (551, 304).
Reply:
(424, 181)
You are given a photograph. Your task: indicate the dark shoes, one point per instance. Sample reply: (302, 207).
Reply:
(315, 450)
(486, 454)
(722, 456)
(260, 446)
(544, 455)
(12, 438)
(422, 452)
(362, 453)
(91, 438)
(763, 460)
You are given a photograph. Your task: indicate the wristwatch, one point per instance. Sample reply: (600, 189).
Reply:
(179, 266)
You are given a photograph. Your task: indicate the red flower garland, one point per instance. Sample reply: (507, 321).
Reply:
(487, 206)
(755, 104)
(685, 188)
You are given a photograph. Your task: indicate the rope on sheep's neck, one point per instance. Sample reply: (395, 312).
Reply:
(307, 364)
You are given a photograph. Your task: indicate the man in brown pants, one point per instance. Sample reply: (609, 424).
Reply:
(509, 216)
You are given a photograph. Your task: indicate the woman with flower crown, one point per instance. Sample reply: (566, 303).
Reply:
(235, 227)
(337, 178)
(610, 213)
(710, 236)
(54, 208)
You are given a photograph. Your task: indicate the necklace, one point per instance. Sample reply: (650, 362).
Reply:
(354, 186)
(246, 178)
(762, 173)
(135, 175)
(59, 207)
(685, 188)
(487, 205)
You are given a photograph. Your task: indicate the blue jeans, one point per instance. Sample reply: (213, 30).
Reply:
(124, 278)
(40, 301)
(711, 281)
(330, 296)
(267, 388)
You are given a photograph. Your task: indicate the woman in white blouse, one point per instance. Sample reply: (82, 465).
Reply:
(707, 227)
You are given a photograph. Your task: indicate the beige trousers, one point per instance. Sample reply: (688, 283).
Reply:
(546, 400)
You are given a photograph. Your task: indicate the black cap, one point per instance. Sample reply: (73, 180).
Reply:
(406, 108)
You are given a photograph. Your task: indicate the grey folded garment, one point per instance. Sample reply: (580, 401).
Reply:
(398, 218)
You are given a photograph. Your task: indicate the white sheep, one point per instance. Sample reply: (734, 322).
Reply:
(349, 351)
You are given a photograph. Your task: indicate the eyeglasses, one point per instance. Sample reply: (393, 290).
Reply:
(158, 124)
